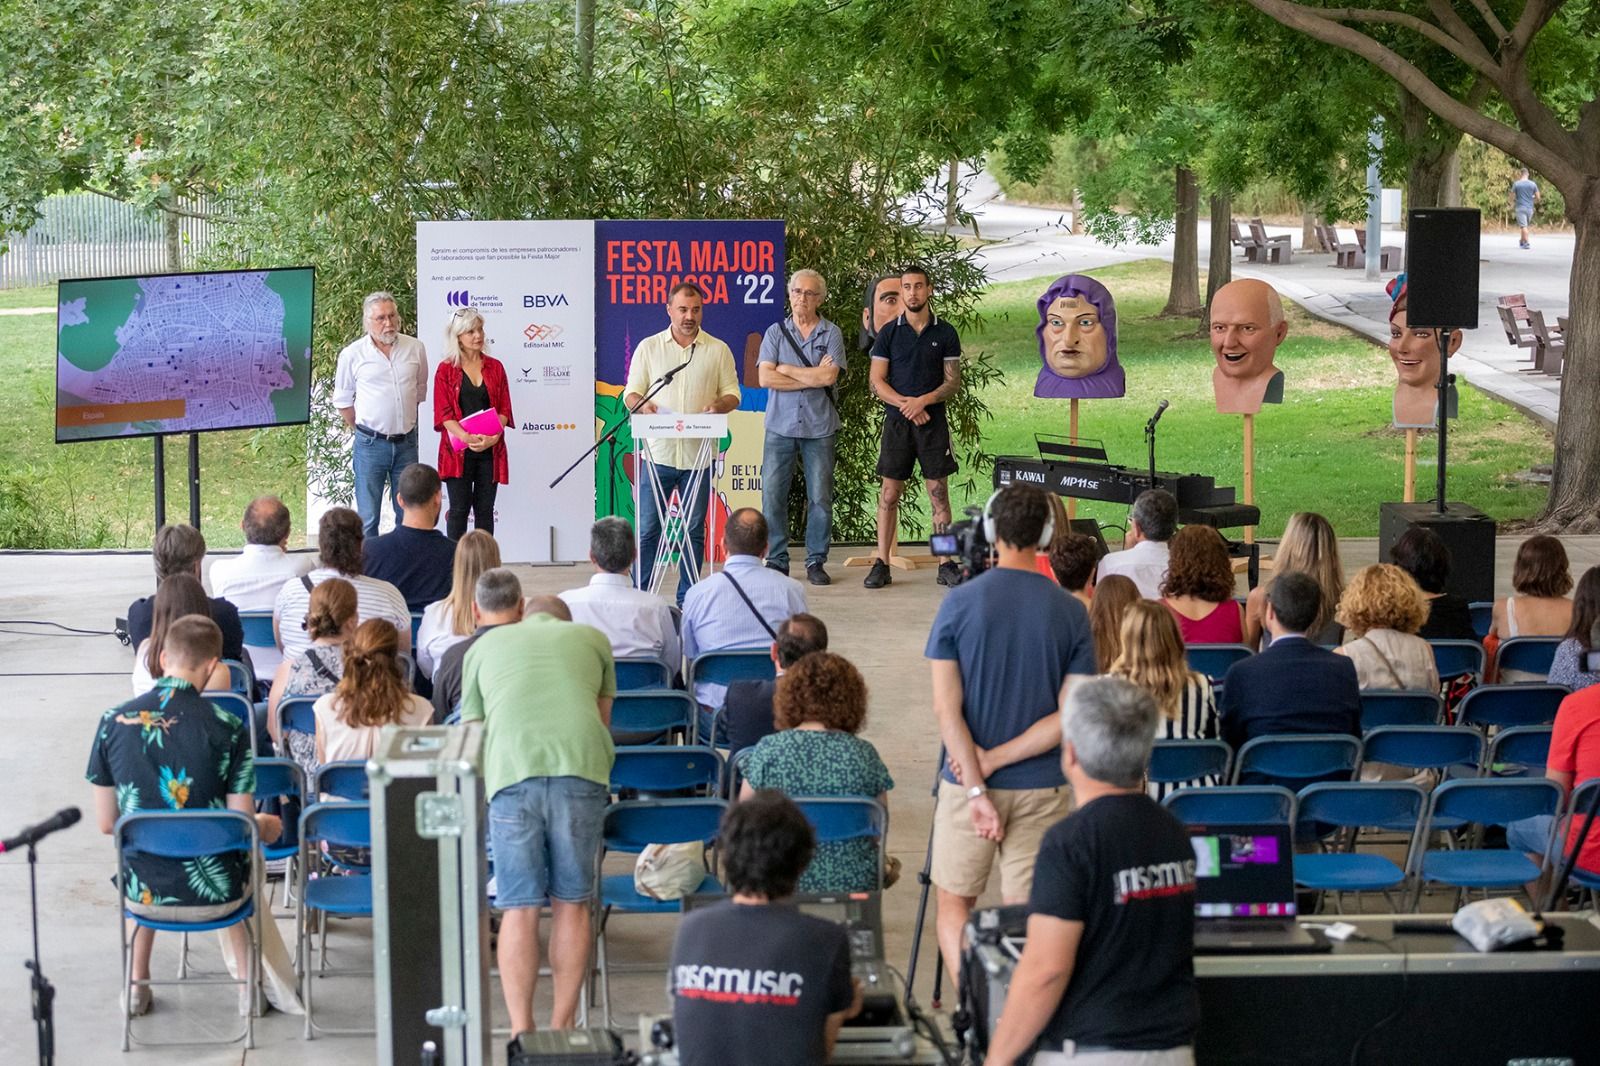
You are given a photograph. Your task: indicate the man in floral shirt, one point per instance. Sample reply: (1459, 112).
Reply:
(171, 750)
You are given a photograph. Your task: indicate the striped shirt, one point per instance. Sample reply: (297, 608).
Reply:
(374, 599)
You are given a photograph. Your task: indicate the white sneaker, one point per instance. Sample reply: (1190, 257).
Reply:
(142, 1000)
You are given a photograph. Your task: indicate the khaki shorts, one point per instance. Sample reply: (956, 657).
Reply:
(962, 860)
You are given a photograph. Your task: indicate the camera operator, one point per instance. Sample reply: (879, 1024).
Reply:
(1002, 646)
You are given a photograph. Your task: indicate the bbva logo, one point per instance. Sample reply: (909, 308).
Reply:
(558, 299)
(458, 298)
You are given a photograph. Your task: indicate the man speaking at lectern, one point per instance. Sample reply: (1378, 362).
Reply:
(705, 382)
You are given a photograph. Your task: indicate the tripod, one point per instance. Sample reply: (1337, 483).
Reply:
(44, 993)
(925, 879)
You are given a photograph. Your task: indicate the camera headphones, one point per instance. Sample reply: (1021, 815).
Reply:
(1045, 537)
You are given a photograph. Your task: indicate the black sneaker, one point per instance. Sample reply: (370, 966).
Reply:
(949, 574)
(878, 576)
(817, 575)
(782, 568)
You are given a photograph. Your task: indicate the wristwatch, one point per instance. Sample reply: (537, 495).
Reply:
(975, 791)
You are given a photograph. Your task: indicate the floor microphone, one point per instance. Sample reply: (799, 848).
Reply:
(66, 816)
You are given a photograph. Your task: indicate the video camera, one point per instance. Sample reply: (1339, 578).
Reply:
(965, 541)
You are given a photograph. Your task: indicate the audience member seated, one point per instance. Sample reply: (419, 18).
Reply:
(1310, 546)
(1107, 975)
(339, 540)
(1112, 597)
(1570, 665)
(740, 605)
(1198, 589)
(330, 623)
(1152, 657)
(821, 706)
(251, 580)
(1574, 759)
(415, 557)
(725, 953)
(1292, 686)
(1538, 605)
(178, 595)
(496, 601)
(639, 624)
(448, 622)
(1381, 611)
(180, 549)
(1073, 560)
(1151, 524)
(747, 715)
(170, 749)
(372, 693)
(1424, 555)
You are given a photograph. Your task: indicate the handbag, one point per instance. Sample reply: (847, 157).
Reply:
(669, 871)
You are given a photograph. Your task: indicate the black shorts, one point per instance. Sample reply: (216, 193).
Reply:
(905, 445)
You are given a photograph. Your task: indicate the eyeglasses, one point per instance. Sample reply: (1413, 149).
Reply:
(467, 312)
(811, 294)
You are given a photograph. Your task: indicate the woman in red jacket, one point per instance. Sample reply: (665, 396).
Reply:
(470, 380)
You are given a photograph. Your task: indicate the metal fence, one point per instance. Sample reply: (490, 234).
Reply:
(84, 235)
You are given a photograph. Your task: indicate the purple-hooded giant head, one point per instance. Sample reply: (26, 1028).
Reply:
(1078, 341)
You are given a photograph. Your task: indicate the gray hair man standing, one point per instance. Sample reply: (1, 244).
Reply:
(1107, 975)
(800, 362)
(378, 385)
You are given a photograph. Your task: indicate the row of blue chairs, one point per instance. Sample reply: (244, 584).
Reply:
(1453, 658)
(257, 625)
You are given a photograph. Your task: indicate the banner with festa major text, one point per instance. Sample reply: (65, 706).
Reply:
(740, 267)
(531, 282)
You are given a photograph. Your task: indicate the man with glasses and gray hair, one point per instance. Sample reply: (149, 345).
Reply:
(1107, 976)
(380, 381)
(801, 359)
(638, 623)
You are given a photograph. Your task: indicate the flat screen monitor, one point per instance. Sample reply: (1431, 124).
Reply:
(180, 353)
(1243, 871)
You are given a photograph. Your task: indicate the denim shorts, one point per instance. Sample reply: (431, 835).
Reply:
(546, 835)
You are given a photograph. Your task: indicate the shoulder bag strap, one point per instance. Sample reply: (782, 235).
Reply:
(773, 633)
(305, 579)
(783, 327)
(1387, 665)
(321, 667)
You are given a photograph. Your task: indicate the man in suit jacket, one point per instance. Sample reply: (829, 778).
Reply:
(1293, 686)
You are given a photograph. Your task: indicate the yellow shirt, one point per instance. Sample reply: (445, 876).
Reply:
(709, 376)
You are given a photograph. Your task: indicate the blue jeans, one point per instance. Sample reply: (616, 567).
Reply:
(777, 471)
(650, 523)
(545, 832)
(376, 462)
(1532, 836)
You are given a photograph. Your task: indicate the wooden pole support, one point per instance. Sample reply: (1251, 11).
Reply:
(1410, 495)
(1250, 471)
(1072, 433)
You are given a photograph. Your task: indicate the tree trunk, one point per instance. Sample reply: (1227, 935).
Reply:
(1433, 174)
(1183, 298)
(952, 201)
(1574, 503)
(1219, 271)
(1308, 231)
(1077, 213)
(174, 235)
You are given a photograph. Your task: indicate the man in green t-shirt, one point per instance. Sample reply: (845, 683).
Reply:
(543, 689)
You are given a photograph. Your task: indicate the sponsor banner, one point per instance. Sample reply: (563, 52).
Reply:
(530, 280)
(740, 266)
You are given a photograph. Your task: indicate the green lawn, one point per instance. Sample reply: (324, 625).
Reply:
(1327, 448)
(39, 296)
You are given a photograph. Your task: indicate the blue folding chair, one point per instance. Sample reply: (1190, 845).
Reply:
(1233, 805)
(1455, 658)
(296, 714)
(637, 673)
(241, 678)
(1351, 805)
(182, 837)
(345, 779)
(1482, 802)
(1482, 616)
(337, 889)
(1425, 747)
(283, 781)
(724, 668)
(1213, 660)
(1527, 655)
(629, 828)
(1578, 808)
(652, 716)
(1505, 706)
(1380, 707)
(1299, 758)
(416, 627)
(661, 770)
(257, 629)
(1519, 752)
(736, 772)
(241, 707)
(1179, 762)
(837, 819)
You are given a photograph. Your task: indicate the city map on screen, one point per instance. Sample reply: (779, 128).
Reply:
(176, 353)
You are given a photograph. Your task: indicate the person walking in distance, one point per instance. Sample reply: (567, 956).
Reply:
(1525, 197)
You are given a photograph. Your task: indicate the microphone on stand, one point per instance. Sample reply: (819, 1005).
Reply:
(1150, 426)
(67, 816)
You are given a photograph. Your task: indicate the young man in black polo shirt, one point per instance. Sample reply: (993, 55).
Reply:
(916, 367)
(1107, 977)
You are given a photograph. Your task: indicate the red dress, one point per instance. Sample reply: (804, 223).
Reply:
(1224, 625)
(447, 408)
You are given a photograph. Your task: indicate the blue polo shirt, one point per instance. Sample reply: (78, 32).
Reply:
(802, 412)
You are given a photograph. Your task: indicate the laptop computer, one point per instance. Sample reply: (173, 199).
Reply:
(1244, 891)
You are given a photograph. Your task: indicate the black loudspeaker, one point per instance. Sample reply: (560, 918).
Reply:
(1090, 528)
(1466, 531)
(1442, 267)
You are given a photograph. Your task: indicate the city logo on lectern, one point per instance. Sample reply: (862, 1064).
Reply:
(679, 425)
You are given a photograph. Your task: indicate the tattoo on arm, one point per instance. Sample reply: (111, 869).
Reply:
(952, 382)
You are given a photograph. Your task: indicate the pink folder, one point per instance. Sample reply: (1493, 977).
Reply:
(485, 423)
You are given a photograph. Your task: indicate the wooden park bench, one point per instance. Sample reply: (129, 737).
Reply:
(1513, 311)
(1552, 349)
(1248, 245)
(1344, 255)
(1270, 249)
(1388, 254)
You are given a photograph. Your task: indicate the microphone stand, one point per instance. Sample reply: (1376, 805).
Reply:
(1446, 379)
(1150, 439)
(44, 993)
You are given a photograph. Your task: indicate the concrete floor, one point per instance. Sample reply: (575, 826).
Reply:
(55, 687)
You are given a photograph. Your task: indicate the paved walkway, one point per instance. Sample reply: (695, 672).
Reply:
(1033, 242)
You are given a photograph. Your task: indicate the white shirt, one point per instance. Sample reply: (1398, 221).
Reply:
(638, 623)
(385, 390)
(1145, 564)
(374, 599)
(435, 637)
(251, 581)
(709, 376)
(340, 741)
(716, 618)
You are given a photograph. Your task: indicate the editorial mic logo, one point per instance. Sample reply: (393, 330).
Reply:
(538, 332)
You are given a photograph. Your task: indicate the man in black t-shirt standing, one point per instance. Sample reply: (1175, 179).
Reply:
(753, 981)
(916, 367)
(1107, 977)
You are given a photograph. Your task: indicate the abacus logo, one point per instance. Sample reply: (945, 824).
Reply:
(548, 427)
